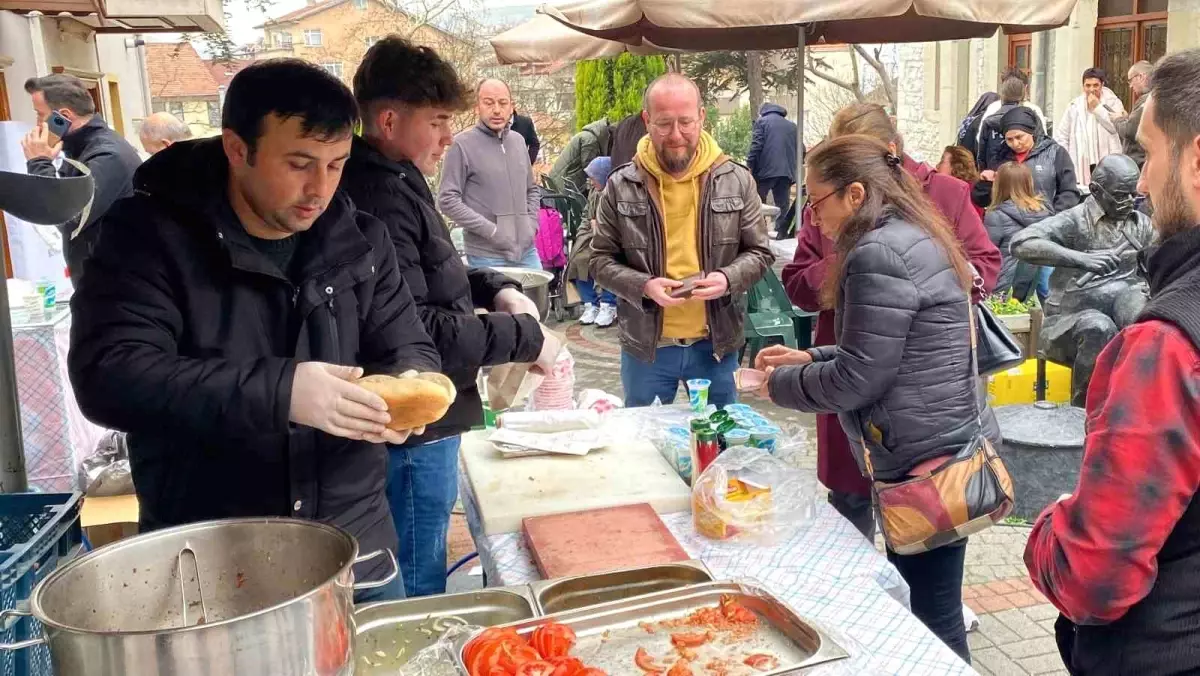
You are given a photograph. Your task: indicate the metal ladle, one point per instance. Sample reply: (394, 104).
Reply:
(199, 587)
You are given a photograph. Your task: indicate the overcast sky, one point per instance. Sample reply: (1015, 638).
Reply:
(242, 19)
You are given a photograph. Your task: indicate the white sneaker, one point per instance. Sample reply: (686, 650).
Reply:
(589, 314)
(606, 316)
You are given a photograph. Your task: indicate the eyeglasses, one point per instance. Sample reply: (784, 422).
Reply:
(686, 125)
(811, 204)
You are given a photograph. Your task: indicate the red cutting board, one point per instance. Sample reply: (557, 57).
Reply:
(600, 540)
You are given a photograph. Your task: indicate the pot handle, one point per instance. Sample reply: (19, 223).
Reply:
(387, 579)
(15, 613)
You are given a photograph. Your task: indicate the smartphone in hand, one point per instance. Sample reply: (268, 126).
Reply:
(684, 292)
(57, 126)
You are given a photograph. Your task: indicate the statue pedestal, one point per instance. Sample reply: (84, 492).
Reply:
(1043, 450)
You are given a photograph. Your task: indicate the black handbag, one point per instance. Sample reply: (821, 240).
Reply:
(997, 349)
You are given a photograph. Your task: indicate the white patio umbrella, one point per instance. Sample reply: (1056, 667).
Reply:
(710, 25)
(542, 39)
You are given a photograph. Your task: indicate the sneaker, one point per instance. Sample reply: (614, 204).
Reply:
(606, 316)
(589, 314)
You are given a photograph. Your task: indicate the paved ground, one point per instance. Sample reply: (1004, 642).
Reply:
(1016, 625)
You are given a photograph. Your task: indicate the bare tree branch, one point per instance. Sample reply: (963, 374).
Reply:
(876, 62)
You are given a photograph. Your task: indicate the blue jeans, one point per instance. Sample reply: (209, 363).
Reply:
(672, 365)
(1043, 282)
(587, 293)
(422, 489)
(529, 260)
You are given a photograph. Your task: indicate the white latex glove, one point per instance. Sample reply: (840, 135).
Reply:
(515, 303)
(323, 397)
(551, 347)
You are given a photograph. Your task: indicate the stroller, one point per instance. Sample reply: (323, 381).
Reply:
(559, 219)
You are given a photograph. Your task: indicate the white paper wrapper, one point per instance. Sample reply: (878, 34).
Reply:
(549, 421)
(520, 444)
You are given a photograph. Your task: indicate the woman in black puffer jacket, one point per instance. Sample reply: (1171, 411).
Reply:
(900, 376)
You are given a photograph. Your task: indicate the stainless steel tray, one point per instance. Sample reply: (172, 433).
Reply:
(388, 634)
(571, 593)
(610, 634)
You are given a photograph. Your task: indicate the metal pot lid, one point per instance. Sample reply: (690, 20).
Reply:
(238, 569)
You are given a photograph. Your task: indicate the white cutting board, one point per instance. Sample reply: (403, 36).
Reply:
(510, 489)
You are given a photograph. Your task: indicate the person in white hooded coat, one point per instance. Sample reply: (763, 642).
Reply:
(1087, 129)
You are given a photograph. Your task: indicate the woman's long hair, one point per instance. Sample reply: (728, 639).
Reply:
(1015, 182)
(890, 192)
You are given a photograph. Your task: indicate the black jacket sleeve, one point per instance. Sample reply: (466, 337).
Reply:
(124, 361)
(466, 342)
(756, 145)
(486, 283)
(1068, 190)
(393, 341)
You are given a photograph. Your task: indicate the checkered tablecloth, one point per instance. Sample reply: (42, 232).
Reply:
(825, 570)
(56, 435)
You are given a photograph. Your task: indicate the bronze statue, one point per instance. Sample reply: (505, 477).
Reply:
(1095, 289)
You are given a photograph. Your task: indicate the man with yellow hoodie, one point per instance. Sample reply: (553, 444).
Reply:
(679, 239)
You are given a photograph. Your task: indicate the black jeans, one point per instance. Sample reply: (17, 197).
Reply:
(781, 192)
(935, 578)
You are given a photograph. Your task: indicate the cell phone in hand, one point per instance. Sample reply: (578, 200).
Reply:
(689, 285)
(57, 126)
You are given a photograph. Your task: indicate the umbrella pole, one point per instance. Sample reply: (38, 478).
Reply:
(12, 458)
(800, 112)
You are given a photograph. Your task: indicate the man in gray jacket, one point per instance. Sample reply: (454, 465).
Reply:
(487, 186)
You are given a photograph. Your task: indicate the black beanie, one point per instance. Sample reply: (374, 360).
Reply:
(1021, 118)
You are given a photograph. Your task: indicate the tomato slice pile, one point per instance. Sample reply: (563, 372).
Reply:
(504, 652)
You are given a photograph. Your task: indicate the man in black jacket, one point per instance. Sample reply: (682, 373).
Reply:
(110, 158)
(408, 95)
(230, 306)
(523, 125)
(772, 159)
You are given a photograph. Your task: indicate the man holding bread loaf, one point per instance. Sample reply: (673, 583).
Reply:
(231, 306)
(407, 96)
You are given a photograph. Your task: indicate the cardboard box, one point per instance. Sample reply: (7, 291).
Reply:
(106, 520)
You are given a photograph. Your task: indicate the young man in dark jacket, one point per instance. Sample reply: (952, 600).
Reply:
(772, 159)
(110, 158)
(407, 95)
(1119, 557)
(230, 306)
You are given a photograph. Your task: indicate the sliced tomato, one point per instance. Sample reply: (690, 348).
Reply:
(736, 612)
(486, 657)
(488, 636)
(497, 671)
(694, 640)
(553, 640)
(761, 662)
(592, 671)
(566, 666)
(513, 655)
(680, 668)
(535, 668)
(645, 661)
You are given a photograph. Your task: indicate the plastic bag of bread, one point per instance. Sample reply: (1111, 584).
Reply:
(414, 399)
(748, 494)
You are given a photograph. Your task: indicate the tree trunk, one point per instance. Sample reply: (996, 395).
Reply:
(754, 81)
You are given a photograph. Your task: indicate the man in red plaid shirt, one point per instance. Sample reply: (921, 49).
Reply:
(1120, 558)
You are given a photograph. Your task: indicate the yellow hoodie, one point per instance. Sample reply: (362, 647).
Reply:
(680, 201)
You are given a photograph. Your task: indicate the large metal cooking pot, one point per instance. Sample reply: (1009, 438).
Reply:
(535, 284)
(241, 597)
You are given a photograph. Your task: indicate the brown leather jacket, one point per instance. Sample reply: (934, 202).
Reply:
(627, 251)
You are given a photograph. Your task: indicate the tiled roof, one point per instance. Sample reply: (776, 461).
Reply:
(177, 71)
(301, 13)
(223, 71)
